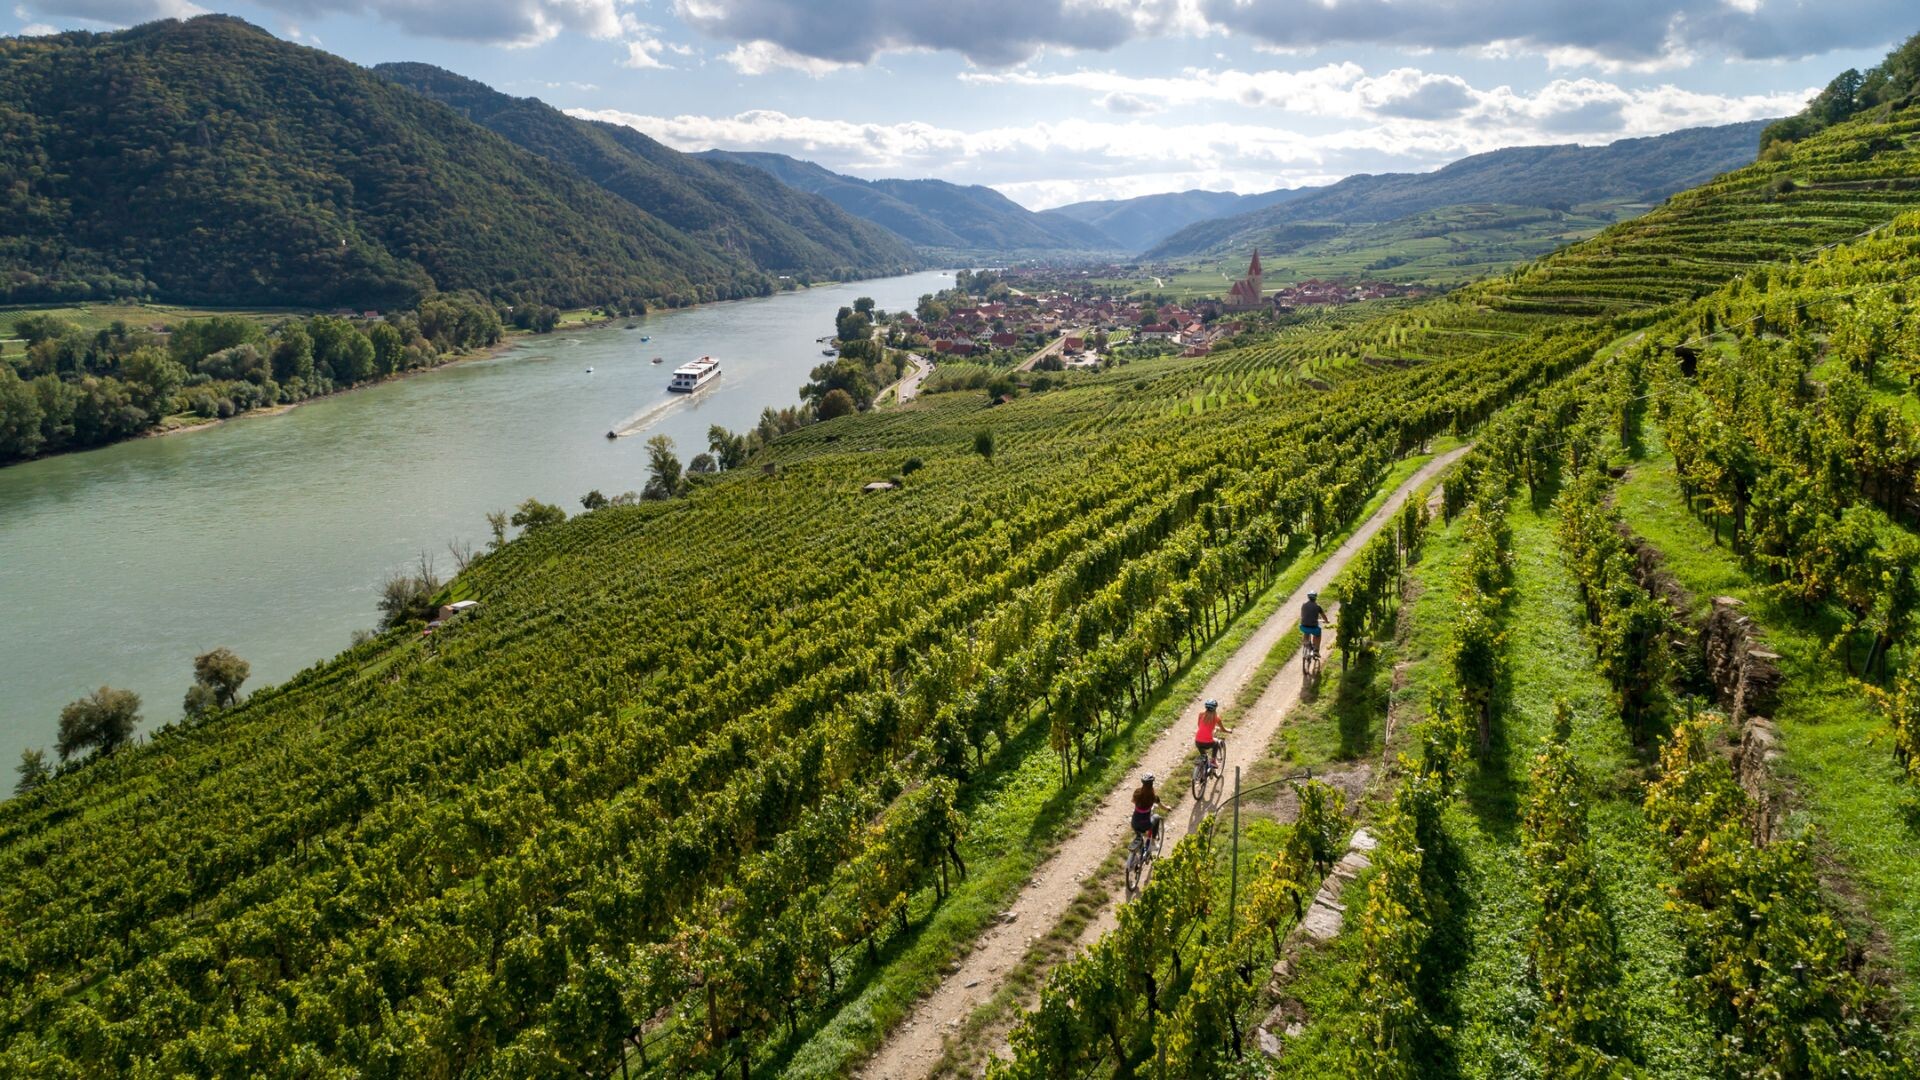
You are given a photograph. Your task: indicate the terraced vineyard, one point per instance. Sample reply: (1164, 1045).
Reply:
(690, 791)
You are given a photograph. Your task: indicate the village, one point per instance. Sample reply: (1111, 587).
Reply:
(1068, 317)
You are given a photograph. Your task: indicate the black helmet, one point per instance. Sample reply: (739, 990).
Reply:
(1212, 704)
(1313, 596)
(1147, 779)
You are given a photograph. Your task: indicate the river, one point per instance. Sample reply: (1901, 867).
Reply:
(272, 535)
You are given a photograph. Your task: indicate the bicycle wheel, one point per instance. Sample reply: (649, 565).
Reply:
(1136, 867)
(1200, 777)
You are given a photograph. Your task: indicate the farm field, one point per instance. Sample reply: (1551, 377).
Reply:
(719, 783)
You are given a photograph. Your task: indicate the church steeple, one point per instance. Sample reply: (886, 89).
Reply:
(1253, 268)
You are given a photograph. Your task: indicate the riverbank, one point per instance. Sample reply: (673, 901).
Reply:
(499, 348)
(124, 563)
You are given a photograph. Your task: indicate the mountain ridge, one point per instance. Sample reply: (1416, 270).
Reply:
(1138, 223)
(206, 161)
(1646, 168)
(782, 229)
(929, 213)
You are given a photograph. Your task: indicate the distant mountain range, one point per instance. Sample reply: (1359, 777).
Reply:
(1552, 177)
(1139, 223)
(206, 161)
(931, 213)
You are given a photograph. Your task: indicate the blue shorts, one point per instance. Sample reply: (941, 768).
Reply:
(1310, 631)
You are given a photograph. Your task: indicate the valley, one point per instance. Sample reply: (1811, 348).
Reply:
(1544, 526)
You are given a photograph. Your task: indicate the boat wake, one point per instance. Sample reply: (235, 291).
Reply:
(640, 421)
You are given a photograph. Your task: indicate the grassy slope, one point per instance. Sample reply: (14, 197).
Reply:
(1846, 781)
(1487, 992)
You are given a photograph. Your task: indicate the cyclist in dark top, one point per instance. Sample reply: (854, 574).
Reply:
(1145, 801)
(1310, 615)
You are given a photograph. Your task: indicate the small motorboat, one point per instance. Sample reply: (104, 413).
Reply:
(659, 359)
(612, 434)
(646, 337)
(828, 352)
(589, 371)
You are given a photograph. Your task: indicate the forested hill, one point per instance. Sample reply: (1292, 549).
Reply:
(206, 161)
(931, 213)
(1641, 170)
(724, 204)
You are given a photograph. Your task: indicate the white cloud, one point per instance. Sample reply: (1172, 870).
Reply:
(760, 57)
(37, 30)
(1624, 35)
(109, 12)
(1402, 120)
(1344, 91)
(1125, 104)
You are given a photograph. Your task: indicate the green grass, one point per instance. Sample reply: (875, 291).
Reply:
(95, 317)
(1014, 823)
(1486, 994)
(1844, 782)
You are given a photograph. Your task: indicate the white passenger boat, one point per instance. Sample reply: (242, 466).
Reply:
(690, 377)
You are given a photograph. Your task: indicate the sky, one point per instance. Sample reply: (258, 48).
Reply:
(1055, 101)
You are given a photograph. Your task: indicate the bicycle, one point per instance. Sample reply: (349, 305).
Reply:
(1310, 655)
(1140, 855)
(1208, 768)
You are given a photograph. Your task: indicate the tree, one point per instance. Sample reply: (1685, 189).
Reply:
(20, 416)
(983, 443)
(497, 525)
(32, 770)
(221, 672)
(155, 377)
(102, 721)
(407, 597)
(864, 305)
(293, 355)
(836, 403)
(702, 464)
(729, 450)
(534, 515)
(196, 339)
(389, 348)
(664, 478)
(593, 500)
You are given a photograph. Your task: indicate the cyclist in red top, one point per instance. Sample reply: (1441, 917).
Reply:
(1206, 737)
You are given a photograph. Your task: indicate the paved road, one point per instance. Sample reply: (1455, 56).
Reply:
(1052, 347)
(908, 387)
(914, 1046)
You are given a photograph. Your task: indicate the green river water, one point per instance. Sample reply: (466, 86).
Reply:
(272, 535)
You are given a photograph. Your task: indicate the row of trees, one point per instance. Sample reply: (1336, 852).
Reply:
(102, 722)
(71, 390)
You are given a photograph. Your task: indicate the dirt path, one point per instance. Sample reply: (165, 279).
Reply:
(915, 1046)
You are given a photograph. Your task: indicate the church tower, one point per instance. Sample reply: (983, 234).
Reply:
(1248, 293)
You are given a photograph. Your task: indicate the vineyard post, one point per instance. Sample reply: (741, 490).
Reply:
(1233, 873)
